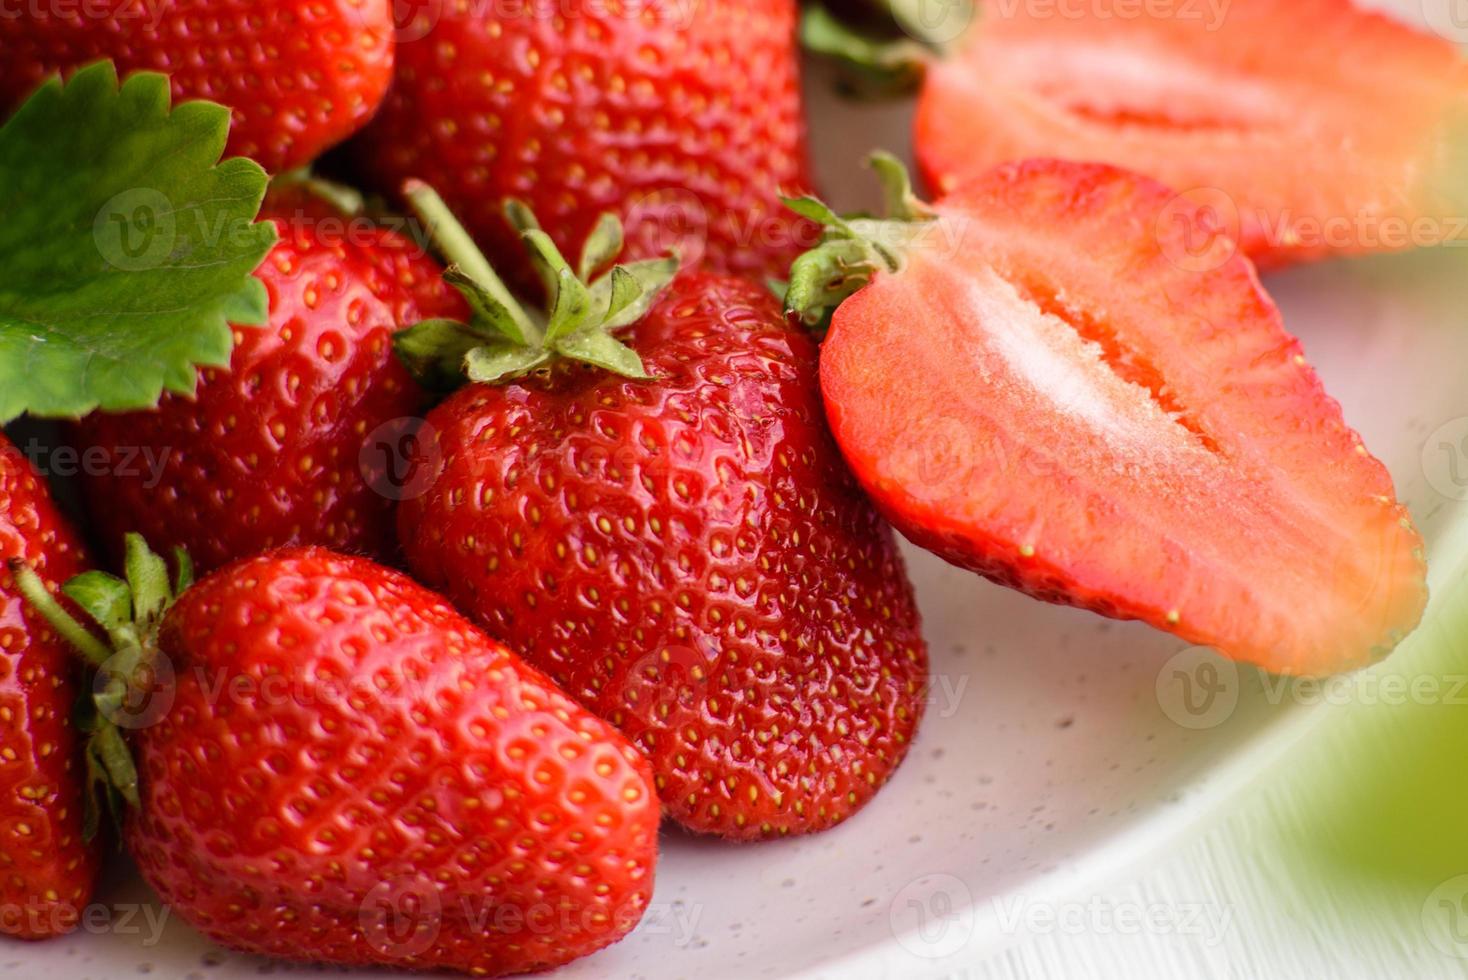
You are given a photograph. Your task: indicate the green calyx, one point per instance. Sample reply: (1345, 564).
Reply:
(888, 52)
(127, 662)
(503, 339)
(854, 248)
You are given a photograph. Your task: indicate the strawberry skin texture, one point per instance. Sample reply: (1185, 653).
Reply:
(690, 558)
(1313, 127)
(685, 118)
(299, 75)
(339, 734)
(269, 452)
(46, 871)
(1098, 426)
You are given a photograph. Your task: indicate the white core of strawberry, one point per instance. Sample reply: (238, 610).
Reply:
(1062, 371)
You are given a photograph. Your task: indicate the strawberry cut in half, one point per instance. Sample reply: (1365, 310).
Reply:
(1312, 127)
(1033, 380)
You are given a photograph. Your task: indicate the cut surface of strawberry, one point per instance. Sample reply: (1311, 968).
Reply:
(1312, 127)
(1041, 388)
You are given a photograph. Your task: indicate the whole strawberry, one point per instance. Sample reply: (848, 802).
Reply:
(300, 75)
(675, 540)
(333, 765)
(47, 869)
(683, 118)
(306, 438)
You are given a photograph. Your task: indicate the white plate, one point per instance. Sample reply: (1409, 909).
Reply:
(1057, 749)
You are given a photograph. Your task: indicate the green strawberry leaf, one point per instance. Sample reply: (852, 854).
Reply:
(127, 247)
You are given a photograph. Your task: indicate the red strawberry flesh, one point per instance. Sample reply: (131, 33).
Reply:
(1046, 395)
(1316, 127)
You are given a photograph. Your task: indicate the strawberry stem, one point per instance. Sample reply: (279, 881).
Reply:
(456, 245)
(130, 610)
(501, 340)
(854, 249)
(34, 591)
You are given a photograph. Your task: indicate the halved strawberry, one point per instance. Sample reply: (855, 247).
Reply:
(1037, 384)
(1314, 127)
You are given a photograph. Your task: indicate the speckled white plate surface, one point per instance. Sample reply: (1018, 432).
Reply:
(1058, 747)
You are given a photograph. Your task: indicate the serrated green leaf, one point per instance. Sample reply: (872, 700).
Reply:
(117, 761)
(497, 362)
(653, 275)
(126, 247)
(91, 801)
(570, 299)
(602, 246)
(106, 598)
(250, 306)
(902, 203)
(147, 579)
(603, 350)
(494, 314)
(434, 351)
(523, 220)
(183, 571)
(520, 216)
(816, 210)
(624, 290)
(825, 276)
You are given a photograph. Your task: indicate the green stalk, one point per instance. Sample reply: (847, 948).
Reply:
(35, 592)
(457, 246)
